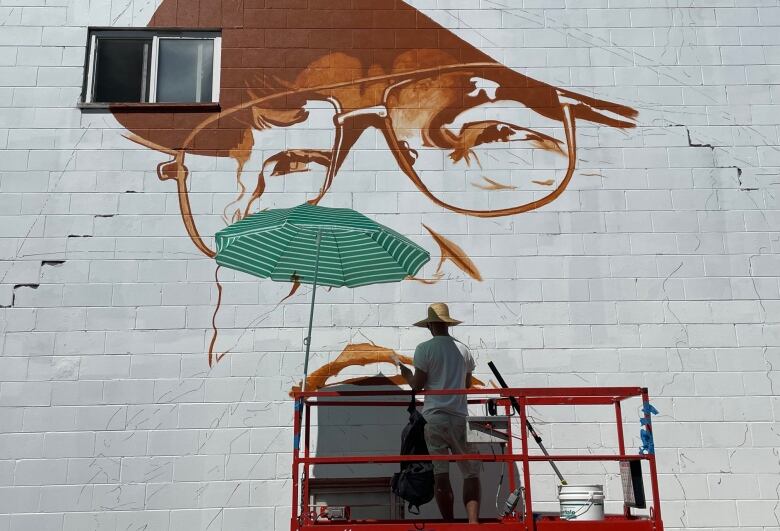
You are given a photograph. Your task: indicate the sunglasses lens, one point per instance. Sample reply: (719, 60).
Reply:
(511, 152)
(491, 176)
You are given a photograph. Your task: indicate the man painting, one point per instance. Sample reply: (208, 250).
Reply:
(443, 363)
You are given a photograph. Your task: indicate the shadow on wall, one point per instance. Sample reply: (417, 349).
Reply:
(352, 431)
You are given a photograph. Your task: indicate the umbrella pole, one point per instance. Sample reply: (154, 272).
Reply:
(307, 341)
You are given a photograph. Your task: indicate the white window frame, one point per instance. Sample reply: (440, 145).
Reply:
(151, 83)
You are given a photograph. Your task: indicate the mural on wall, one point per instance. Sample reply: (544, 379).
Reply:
(361, 354)
(472, 136)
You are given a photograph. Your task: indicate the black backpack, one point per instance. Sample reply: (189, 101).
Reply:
(414, 483)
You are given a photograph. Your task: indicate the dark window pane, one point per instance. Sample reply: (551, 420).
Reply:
(184, 70)
(121, 70)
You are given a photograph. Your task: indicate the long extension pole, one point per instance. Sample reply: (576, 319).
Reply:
(528, 424)
(307, 341)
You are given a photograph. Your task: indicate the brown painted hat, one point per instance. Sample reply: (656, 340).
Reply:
(438, 313)
(348, 51)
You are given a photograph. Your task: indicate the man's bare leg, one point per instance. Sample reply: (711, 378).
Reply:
(471, 497)
(444, 497)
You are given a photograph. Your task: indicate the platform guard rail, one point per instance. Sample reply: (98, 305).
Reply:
(303, 519)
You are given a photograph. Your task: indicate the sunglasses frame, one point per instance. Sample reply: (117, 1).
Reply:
(376, 116)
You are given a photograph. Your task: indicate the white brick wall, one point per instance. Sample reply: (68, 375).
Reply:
(657, 267)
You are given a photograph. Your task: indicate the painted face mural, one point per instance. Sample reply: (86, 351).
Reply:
(315, 90)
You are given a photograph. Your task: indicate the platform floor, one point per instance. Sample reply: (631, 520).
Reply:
(541, 523)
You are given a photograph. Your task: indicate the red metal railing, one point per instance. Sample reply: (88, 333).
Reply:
(301, 516)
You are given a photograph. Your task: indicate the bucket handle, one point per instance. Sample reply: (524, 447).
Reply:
(584, 509)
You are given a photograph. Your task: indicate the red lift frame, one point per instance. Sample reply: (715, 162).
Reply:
(302, 521)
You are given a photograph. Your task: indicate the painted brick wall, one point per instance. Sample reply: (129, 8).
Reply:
(657, 266)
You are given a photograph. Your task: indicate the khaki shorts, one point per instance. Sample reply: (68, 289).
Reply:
(445, 432)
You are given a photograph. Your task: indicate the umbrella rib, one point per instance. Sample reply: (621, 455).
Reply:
(340, 262)
(289, 247)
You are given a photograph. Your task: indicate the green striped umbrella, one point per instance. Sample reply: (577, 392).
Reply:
(354, 251)
(318, 245)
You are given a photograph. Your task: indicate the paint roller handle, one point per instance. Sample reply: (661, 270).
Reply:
(513, 401)
(528, 424)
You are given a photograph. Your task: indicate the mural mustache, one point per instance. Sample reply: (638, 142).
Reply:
(472, 136)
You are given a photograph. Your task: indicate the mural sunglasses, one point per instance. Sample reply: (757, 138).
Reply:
(559, 104)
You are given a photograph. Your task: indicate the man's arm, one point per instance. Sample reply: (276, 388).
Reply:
(468, 380)
(416, 380)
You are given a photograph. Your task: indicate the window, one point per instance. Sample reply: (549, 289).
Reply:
(142, 66)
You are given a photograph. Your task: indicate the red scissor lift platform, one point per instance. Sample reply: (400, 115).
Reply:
(303, 519)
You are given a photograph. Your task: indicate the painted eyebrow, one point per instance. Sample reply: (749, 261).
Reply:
(267, 118)
(292, 156)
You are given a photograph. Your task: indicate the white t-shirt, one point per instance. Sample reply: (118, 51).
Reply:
(446, 361)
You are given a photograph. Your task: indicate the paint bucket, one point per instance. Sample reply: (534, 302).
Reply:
(581, 502)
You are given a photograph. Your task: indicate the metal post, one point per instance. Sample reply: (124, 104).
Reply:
(295, 517)
(619, 424)
(307, 341)
(651, 461)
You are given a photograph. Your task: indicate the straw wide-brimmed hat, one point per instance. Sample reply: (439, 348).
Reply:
(438, 313)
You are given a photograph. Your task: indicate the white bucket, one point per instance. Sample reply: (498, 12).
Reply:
(581, 502)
